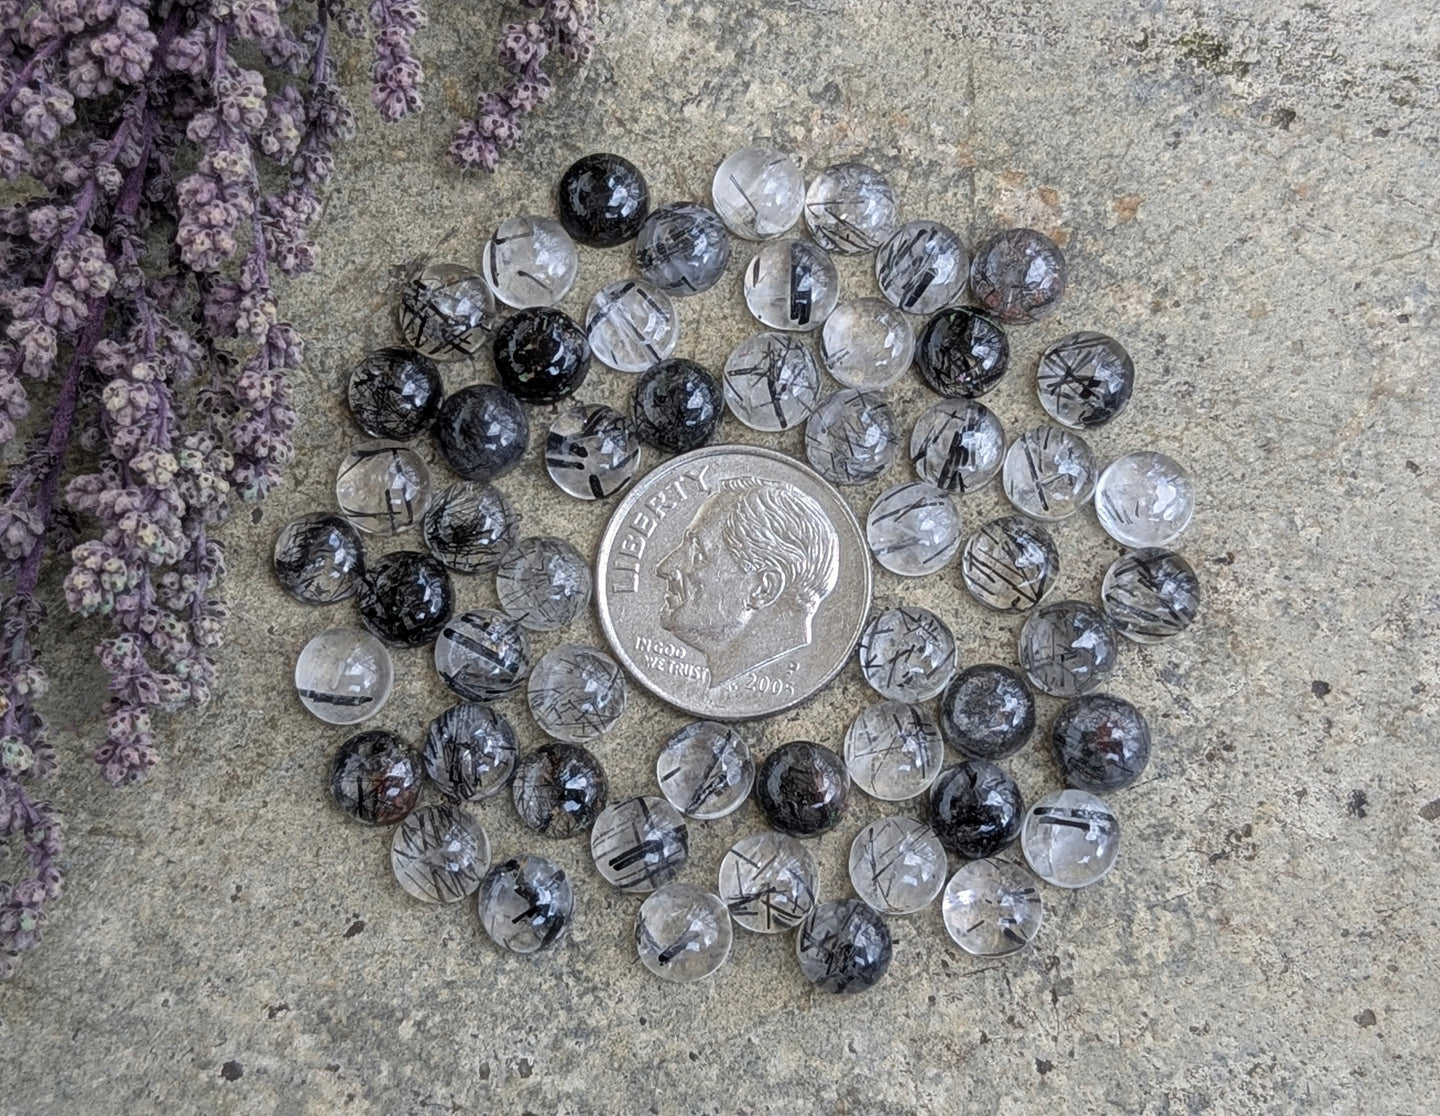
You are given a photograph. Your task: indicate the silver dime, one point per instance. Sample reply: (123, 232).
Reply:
(733, 582)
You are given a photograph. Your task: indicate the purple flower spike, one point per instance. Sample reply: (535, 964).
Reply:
(563, 27)
(170, 369)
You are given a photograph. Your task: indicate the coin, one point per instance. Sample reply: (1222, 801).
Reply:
(733, 582)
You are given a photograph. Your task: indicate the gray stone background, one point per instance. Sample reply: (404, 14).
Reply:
(1249, 201)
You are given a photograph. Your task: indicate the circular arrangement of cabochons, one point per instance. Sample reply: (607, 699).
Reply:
(939, 730)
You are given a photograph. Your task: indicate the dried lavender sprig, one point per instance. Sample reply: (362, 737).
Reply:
(173, 372)
(564, 27)
(25, 755)
(397, 75)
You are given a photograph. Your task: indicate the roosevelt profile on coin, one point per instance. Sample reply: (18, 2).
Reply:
(749, 574)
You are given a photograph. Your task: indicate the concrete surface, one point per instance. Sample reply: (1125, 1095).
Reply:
(1249, 201)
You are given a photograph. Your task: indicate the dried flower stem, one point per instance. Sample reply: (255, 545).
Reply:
(564, 27)
(173, 370)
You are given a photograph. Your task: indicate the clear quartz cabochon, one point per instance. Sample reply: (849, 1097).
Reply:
(791, 284)
(344, 676)
(1048, 473)
(992, 908)
(705, 770)
(592, 451)
(851, 208)
(852, 437)
(759, 193)
(440, 853)
(631, 325)
(383, 487)
(769, 881)
(447, 312)
(923, 267)
(907, 653)
(1070, 838)
(683, 932)
(1144, 499)
(771, 382)
(530, 261)
(866, 343)
(914, 529)
(526, 904)
(897, 865)
(894, 750)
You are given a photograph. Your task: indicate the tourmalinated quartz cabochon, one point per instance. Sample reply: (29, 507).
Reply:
(771, 382)
(602, 200)
(992, 908)
(482, 432)
(375, 778)
(383, 487)
(957, 445)
(439, 854)
(1144, 499)
(1018, 276)
(1070, 838)
(913, 529)
(923, 267)
(470, 751)
(640, 843)
(987, 712)
(1085, 379)
(543, 582)
(631, 325)
(1010, 564)
(769, 882)
(897, 865)
(705, 770)
(893, 750)
(530, 261)
(592, 451)
(1100, 742)
(560, 789)
(850, 208)
(866, 343)
(1150, 595)
(682, 248)
(576, 693)
(344, 676)
(447, 312)
(395, 393)
(1048, 473)
(683, 933)
(677, 406)
(961, 353)
(542, 355)
(1067, 648)
(526, 904)
(802, 789)
(758, 192)
(405, 597)
(851, 438)
(843, 946)
(482, 654)
(317, 558)
(907, 653)
(791, 284)
(469, 526)
(976, 809)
